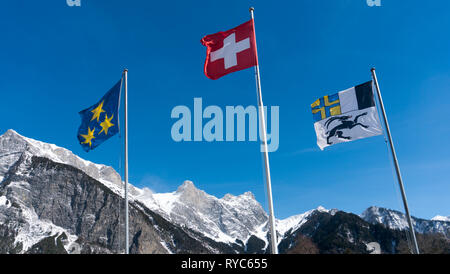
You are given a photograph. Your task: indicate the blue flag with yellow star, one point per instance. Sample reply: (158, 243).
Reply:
(100, 121)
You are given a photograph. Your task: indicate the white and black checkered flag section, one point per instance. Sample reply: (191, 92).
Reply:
(346, 116)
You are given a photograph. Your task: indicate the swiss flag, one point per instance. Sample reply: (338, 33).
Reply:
(230, 51)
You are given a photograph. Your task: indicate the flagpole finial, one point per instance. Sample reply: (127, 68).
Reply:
(125, 70)
(251, 9)
(372, 69)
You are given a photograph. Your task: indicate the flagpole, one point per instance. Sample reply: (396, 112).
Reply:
(125, 73)
(273, 234)
(397, 168)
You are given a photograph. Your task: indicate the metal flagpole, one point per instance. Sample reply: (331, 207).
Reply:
(125, 72)
(397, 168)
(273, 234)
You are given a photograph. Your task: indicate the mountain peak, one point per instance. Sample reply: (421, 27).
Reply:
(249, 194)
(190, 194)
(186, 186)
(11, 132)
(228, 196)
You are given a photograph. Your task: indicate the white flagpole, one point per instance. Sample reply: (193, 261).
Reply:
(125, 72)
(397, 168)
(273, 234)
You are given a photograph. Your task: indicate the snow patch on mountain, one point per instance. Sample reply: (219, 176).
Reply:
(5, 202)
(34, 230)
(441, 218)
(293, 223)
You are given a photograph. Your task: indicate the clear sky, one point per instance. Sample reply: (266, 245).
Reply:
(57, 60)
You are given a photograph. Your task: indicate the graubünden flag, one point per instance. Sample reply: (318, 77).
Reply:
(348, 115)
(230, 51)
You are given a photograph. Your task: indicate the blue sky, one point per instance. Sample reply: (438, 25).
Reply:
(58, 60)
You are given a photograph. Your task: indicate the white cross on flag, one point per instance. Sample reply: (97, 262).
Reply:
(230, 51)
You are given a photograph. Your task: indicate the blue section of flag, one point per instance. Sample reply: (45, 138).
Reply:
(318, 116)
(100, 121)
(321, 109)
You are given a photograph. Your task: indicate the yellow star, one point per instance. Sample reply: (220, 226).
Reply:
(106, 124)
(88, 138)
(97, 111)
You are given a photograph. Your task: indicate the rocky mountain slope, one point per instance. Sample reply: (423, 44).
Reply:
(52, 201)
(396, 220)
(225, 220)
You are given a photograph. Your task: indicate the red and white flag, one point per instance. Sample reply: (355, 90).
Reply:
(230, 51)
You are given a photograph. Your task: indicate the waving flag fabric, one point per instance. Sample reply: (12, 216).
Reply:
(100, 121)
(230, 51)
(346, 116)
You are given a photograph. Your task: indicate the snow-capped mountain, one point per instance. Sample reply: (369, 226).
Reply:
(224, 220)
(51, 200)
(393, 219)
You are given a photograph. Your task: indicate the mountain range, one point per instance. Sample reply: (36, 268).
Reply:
(52, 201)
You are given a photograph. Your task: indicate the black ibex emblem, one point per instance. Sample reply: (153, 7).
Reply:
(345, 124)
